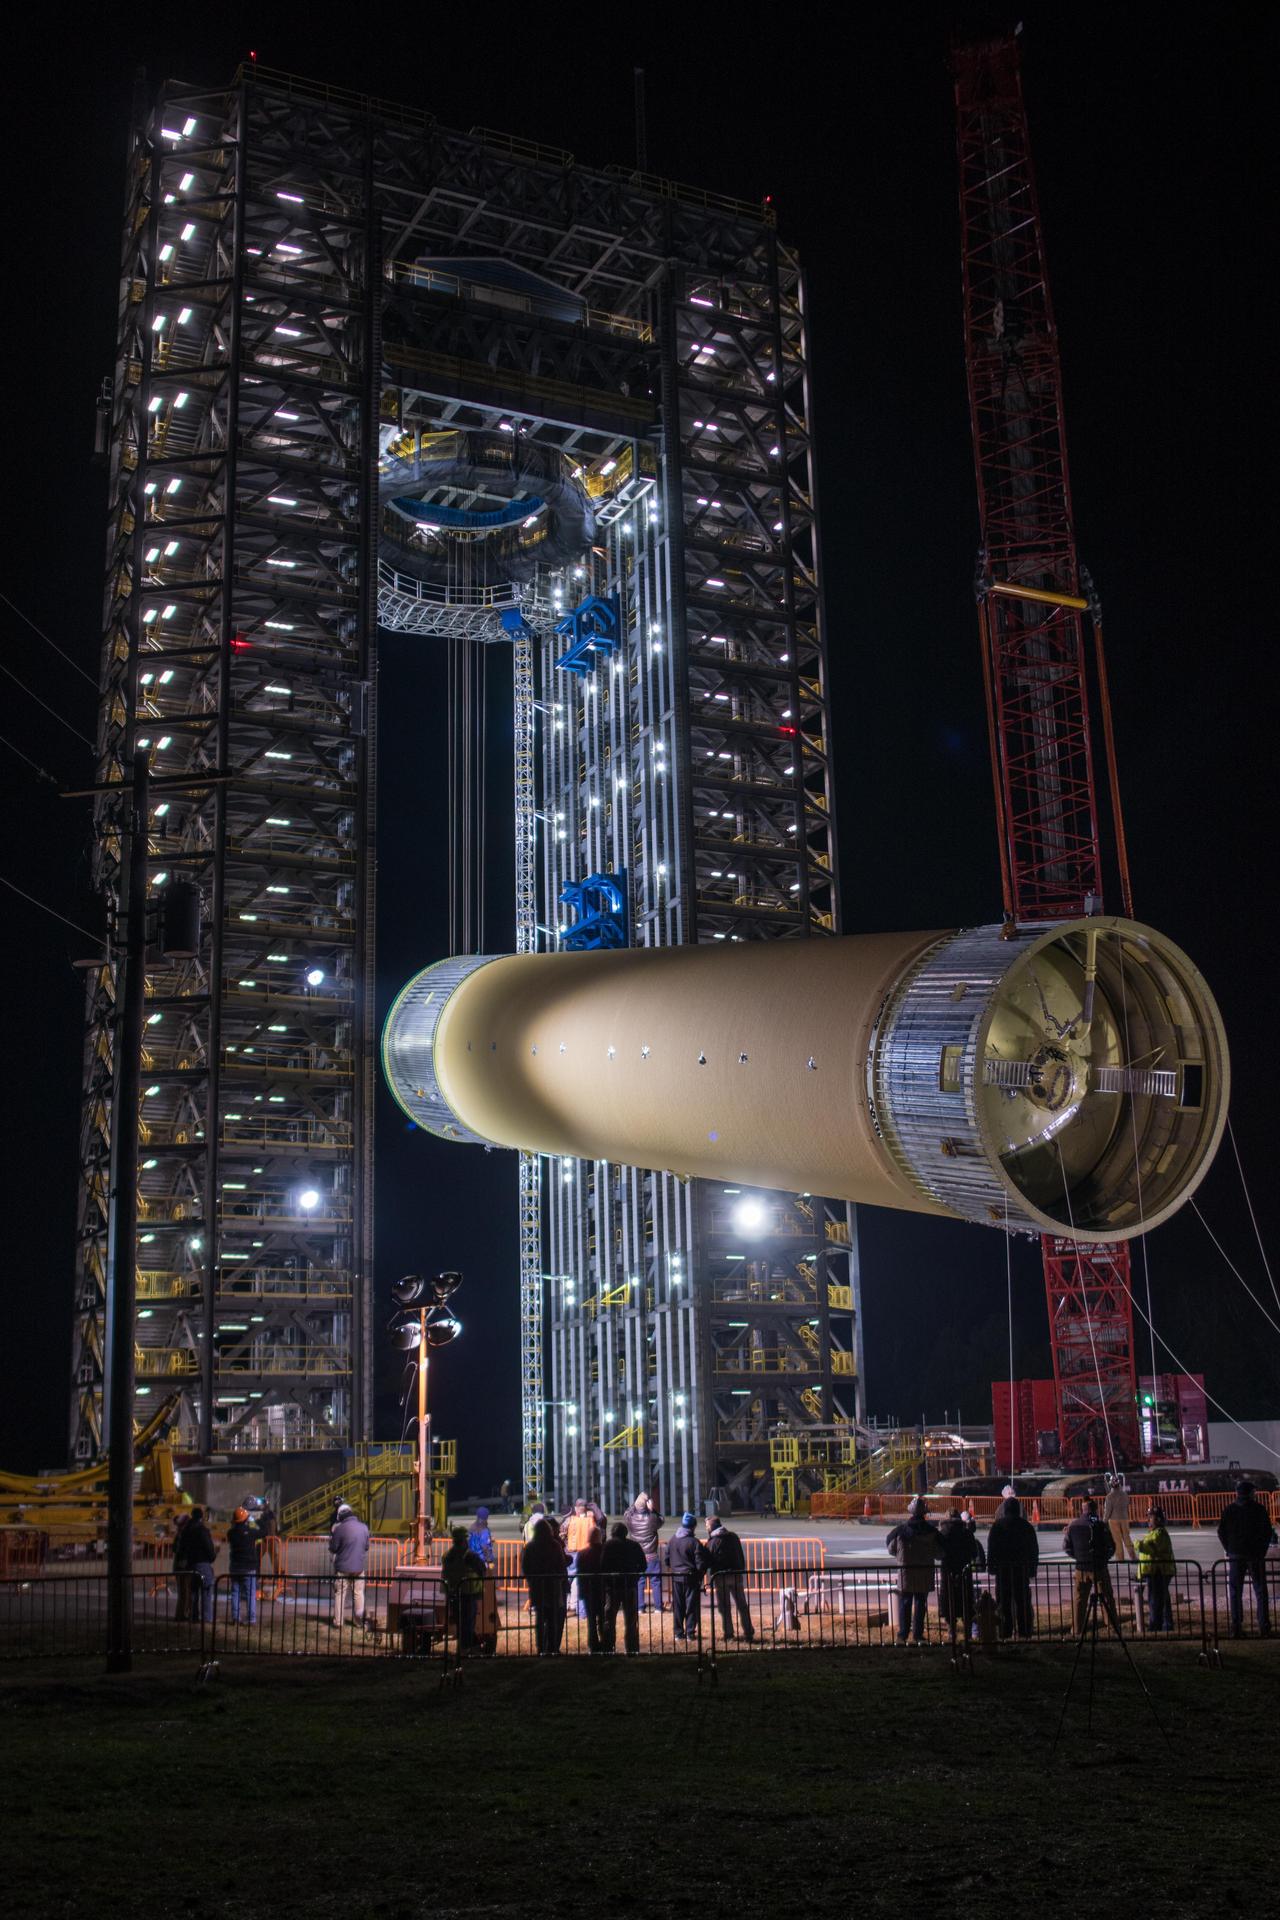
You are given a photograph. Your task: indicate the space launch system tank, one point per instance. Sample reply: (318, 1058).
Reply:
(1071, 1078)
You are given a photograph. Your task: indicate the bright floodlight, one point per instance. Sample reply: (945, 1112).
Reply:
(315, 976)
(749, 1215)
(309, 1199)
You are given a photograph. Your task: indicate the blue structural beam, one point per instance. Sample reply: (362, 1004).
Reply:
(428, 514)
(593, 629)
(600, 905)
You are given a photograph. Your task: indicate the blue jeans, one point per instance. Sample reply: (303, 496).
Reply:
(202, 1587)
(246, 1584)
(653, 1574)
(912, 1608)
(1237, 1567)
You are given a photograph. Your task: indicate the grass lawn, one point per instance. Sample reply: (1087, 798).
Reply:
(813, 1785)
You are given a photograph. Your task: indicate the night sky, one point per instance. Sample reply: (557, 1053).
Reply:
(1148, 128)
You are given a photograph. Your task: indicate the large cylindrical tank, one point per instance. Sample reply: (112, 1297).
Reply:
(1068, 1079)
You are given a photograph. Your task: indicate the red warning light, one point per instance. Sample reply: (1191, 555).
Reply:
(239, 644)
(786, 729)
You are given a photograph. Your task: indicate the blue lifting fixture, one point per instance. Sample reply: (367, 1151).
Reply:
(600, 904)
(429, 514)
(593, 629)
(513, 622)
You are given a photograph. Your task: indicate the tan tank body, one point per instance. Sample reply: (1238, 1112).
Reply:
(669, 1058)
(1070, 1078)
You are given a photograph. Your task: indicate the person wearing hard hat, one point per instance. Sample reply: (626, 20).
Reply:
(242, 1545)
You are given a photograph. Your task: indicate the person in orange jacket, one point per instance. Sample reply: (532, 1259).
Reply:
(576, 1533)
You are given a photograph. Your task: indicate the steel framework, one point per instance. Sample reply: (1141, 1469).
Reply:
(288, 337)
(1031, 601)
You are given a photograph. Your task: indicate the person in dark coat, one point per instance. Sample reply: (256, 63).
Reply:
(242, 1545)
(198, 1556)
(1245, 1531)
(622, 1570)
(961, 1555)
(644, 1524)
(349, 1545)
(462, 1576)
(1087, 1542)
(591, 1588)
(545, 1566)
(685, 1562)
(726, 1562)
(183, 1610)
(916, 1544)
(1013, 1558)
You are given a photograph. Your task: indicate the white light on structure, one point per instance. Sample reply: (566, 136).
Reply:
(184, 316)
(608, 468)
(296, 198)
(180, 399)
(174, 486)
(315, 976)
(166, 251)
(749, 1215)
(189, 127)
(155, 403)
(187, 181)
(169, 551)
(189, 229)
(158, 324)
(309, 1199)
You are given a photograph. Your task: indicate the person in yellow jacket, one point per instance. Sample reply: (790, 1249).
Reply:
(1156, 1568)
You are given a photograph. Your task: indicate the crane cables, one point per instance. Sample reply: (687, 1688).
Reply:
(1088, 1318)
(1182, 1369)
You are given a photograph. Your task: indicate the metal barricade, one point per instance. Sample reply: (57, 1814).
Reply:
(64, 1616)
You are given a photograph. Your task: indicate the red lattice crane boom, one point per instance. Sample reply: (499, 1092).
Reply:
(1033, 599)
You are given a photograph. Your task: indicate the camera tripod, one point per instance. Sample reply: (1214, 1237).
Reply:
(1098, 1598)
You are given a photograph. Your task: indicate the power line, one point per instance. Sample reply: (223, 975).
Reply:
(95, 937)
(45, 704)
(53, 643)
(42, 771)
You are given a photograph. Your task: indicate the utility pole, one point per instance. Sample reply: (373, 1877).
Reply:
(122, 1298)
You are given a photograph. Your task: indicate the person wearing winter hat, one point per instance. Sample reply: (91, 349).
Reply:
(1156, 1568)
(242, 1544)
(480, 1540)
(1245, 1532)
(686, 1561)
(349, 1545)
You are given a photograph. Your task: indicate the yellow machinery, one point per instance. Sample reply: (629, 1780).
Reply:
(72, 1507)
(378, 1484)
(889, 1462)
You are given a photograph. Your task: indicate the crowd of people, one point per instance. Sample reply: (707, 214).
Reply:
(950, 1553)
(576, 1562)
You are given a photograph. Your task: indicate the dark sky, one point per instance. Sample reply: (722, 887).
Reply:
(1151, 130)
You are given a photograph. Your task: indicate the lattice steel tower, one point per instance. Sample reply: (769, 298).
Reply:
(370, 371)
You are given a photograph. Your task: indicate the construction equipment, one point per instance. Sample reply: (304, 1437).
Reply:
(1032, 596)
(71, 1508)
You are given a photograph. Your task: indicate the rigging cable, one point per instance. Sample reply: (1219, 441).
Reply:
(1137, 1163)
(1235, 1269)
(1182, 1368)
(1008, 1281)
(1088, 1318)
(1249, 1203)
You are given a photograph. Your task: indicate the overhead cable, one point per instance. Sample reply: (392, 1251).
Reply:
(34, 764)
(26, 617)
(95, 937)
(45, 704)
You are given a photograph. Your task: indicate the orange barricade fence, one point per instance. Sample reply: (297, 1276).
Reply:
(308, 1553)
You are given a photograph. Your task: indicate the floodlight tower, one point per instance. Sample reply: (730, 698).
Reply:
(1033, 597)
